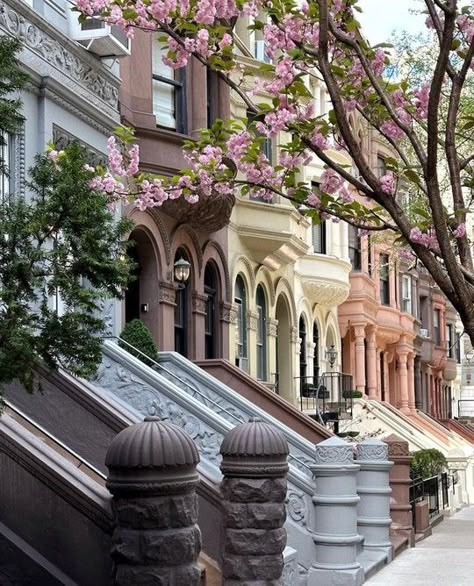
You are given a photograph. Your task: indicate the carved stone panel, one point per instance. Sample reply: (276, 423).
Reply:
(62, 138)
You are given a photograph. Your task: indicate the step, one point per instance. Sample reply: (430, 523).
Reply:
(372, 560)
(211, 574)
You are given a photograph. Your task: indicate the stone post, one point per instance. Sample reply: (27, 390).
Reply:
(403, 377)
(335, 503)
(373, 487)
(254, 465)
(152, 477)
(400, 508)
(371, 373)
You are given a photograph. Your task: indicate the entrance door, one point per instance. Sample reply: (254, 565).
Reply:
(132, 294)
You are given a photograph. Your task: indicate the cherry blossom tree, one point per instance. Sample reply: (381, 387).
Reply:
(421, 123)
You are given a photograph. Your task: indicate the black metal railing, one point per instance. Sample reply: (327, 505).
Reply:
(434, 490)
(329, 398)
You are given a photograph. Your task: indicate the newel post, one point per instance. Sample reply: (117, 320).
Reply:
(335, 503)
(254, 465)
(400, 482)
(152, 477)
(373, 487)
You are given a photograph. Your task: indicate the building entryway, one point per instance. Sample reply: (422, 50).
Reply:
(285, 380)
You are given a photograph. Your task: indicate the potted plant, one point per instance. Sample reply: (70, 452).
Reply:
(352, 394)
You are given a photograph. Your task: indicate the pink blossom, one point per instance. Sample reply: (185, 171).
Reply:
(313, 201)
(319, 140)
(391, 130)
(460, 231)
(331, 181)
(387, 183)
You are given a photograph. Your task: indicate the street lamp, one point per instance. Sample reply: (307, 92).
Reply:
(182, 270)
(331, 355)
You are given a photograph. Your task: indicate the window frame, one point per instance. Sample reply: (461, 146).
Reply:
(261, 306)
(384, 279)
(407, 307)
(241, 303)
(355, 249)
(437, 327)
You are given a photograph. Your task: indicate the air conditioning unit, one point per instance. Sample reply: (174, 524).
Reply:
(424, 333)
(98, 37)
(260, 52)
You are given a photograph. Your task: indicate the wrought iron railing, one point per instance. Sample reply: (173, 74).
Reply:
(434, 490)
(329, 398)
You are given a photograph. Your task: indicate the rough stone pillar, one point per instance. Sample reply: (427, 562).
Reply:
(411, 382)
(400, 508)
(254, 465)
(359, 332)
(152, 477)
(371, 373)
(373, 487)
(403, 374)
(335, 502)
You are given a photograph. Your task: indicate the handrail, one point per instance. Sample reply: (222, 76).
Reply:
(157, 366)
(55, 440)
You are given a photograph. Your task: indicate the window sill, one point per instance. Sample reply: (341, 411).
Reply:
(166, 133)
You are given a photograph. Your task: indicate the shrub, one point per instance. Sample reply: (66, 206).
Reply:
(137, 334)
(352, 394)
(427, 463)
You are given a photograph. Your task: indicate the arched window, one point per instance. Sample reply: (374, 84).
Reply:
(261, 334)
(210, 330)
(240, 301)
(316, 353)
(302, 335)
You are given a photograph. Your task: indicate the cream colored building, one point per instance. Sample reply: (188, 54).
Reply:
(288, 276)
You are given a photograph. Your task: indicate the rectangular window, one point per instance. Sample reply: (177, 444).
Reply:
(384, 277)
(381, 166)
(319, 237)
(458, 348)
(5, 166)
(450, 340)
(169, 96)
(354, 248)
(407, 304)
(437, 326)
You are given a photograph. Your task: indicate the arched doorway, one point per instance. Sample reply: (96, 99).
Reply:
(211, 321)
(141, 296)
(182, 311)
(261, 334)
(283, 349)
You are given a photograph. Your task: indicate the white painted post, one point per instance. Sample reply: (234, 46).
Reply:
(335, 503)
(373, 487)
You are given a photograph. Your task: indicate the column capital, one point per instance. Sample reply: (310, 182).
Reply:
(359, 330)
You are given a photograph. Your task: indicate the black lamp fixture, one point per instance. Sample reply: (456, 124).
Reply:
(331, 355)
(182, 270)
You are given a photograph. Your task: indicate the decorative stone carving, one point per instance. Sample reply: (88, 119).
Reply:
(148, 400)
(397, 448)
(272, 327)
(372, 449)
(252, 320)
(293, 335)
(199, 303)
(325, 293)
(54, 52)
(290, 569)
(296, 506)
(62, 139)
(228, 312)
(166, 293)
(334, 451)
(17, 165)
(153, 478)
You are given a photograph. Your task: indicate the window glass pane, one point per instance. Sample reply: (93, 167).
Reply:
(319, 237)
(384, 279)
(164, 104)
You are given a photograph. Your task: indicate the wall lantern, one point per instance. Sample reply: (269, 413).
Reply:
(331, 355)
(182, 270)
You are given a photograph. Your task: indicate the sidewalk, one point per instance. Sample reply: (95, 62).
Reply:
(444, 559)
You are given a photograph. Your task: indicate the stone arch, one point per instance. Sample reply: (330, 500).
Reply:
(159, 239)
(264, 277)
(185, 237)
(212, 251)
(155, 214)
(332, 331)
(283, 311)
(282, 286)
(242, 265)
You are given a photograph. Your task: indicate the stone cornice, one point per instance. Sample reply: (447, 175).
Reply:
(48, 53)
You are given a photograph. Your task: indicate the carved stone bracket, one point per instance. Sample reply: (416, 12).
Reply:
(228, 312)
(252, 320)
(199, 303)
(167, 293)
(272, 327)
(294, 335)
(62, 139)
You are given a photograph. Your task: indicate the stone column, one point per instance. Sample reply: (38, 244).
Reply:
(254, 465)
(199, 305)
(371, 364)
(418, 384)
(373, 488)
(359, 332)
(411, 382)
(252, 325)
(379, 375)
(167, 297)
(386, 372)
(272, 332)
(152, 477)
(400, 508)
(335, 503)
(403, 375)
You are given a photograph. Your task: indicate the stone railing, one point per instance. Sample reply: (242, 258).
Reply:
(151, 394)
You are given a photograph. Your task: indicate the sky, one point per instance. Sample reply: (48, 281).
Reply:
(381, 17)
